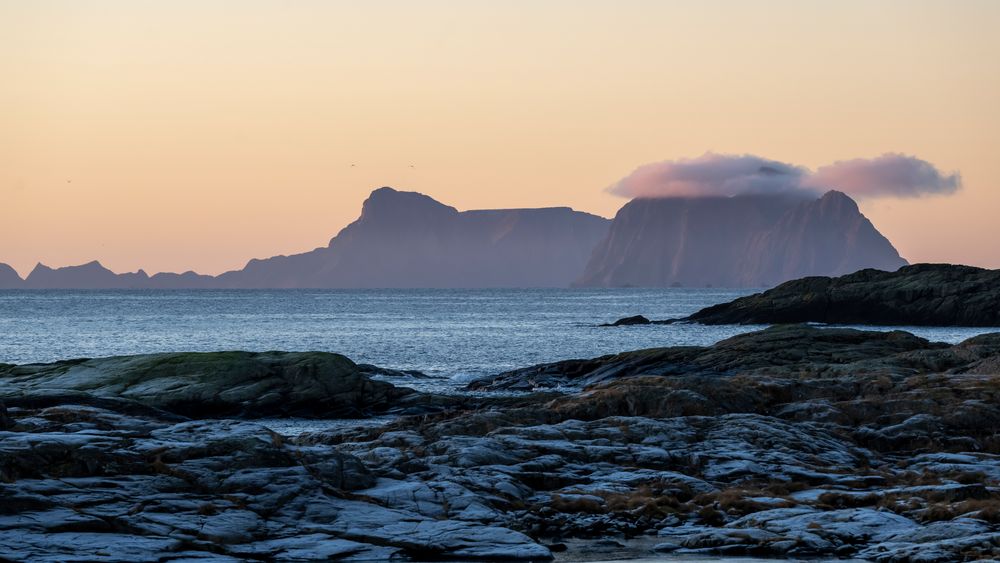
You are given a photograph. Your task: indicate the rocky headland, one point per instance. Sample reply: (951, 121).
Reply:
(917, 295)
(793, 441)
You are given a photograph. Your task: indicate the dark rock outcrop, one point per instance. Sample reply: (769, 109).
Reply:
(787, 349)
(742, 241)
(630, 321)
(4, 421)
(246, 384)
(898, 390)
(790, 441)
(918, 295)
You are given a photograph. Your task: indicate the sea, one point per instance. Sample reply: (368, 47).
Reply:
(452, 336)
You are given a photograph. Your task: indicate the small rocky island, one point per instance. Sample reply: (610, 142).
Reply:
(917, 295)
(793, 441)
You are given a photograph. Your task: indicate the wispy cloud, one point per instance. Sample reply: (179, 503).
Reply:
(889, 175)
(723, 175)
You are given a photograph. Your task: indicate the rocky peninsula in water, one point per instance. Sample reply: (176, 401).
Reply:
(917, 295)
(793, 441)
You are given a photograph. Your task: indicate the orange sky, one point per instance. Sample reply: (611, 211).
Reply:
(196, 135)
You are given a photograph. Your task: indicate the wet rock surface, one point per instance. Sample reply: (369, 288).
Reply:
(793, 350)
(84, 483)
(789, 442)
(216, 384)
(629, 321)
(918, 295)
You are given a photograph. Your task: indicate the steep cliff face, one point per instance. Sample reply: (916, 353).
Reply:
(743, 241)
(826, 237)
(9, 278)
(407, 239)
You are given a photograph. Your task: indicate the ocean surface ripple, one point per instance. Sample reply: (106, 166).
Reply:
(451, 335)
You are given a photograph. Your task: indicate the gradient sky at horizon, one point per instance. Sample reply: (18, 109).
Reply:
(196, 135)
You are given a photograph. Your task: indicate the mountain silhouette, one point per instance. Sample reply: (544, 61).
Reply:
(741, 241)
(407, 239)
(91, 275)
(9, 278)
(401, 239)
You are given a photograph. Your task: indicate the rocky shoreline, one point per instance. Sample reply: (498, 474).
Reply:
(788, 442)
(917, 295)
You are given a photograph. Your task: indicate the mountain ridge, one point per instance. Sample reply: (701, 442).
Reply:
(400, 239)
(410, 240)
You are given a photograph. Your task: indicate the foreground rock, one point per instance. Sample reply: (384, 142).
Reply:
(244, 384)
(832, 356)
(789, 442)
(89, 484)
(918, 295)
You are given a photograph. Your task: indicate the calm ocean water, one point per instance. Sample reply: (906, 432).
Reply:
(453, 335)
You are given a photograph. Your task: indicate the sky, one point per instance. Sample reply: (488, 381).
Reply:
(198, 134)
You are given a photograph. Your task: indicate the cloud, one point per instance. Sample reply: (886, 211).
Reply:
(721, 175)
(889, 175)
(711, 175)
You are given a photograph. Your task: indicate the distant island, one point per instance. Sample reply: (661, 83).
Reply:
(409, 240)
(742, 241)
